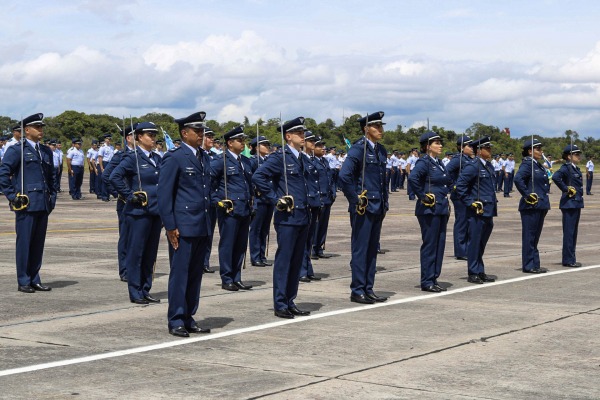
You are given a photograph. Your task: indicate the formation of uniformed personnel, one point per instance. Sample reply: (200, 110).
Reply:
(461, 225)
(75, 165)
(231, 175)
(477, 190)
(184, 197)
(281, 180)
(32, 196)
(328, 195)
(532, 183)
(136, 179)
(569, 180)
(263, 208)
(362, 179)
(431, 184)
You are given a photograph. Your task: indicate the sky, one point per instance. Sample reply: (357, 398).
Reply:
(532, 66)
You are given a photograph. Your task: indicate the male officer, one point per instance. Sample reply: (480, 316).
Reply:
(59, 173)
(177, 142)
(589, 175)
(105, 154)
(461, 223)
(207, 146)
(16, 131)
(32, 196)
(92, 157)
(395, 183)
(328, 194)
(410, 164)
(231, 175)
(401, 170)
(75, 161)
(281, 179)
(500, 173)
(389, 173)
(184, 187)
(334, 165)
(362, 179)
(509, 174)
(475, 187)
(263, 208)
(55, 161)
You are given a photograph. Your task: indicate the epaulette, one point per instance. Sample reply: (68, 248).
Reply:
(175, 149)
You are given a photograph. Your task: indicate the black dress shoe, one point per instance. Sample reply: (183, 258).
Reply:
(196, 329)
(242, 285)
(432, 289)
(258, 264)
(151, 299)
(474, 279)
(267, 263)
(140, 301)
(323, 255)
(296, 311)
(207, 270)
(304, 279)
(462, 258)
(179, 331)
(361, 298)
(123, 278)
(314, 278)
(486, 278)
(285, 313)
(440, 288)
(26, 289)
(507, 195)
(535, 271)
(41, 288)
(573, 265)
(377, 299)
(314, 256)
(380, 251)
(230, 286)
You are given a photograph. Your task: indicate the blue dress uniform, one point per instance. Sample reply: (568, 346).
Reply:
(429, 176)
(106, 152)
(263, 215)
(291, 226)
(476, 183)
(212, 211)
(233, 226)
(569, 180)
(77, 165)
(366, 228)
(31, 222)
(461, 224)
(532, 177)
(144, 224)
(184, 192)
(328, 195)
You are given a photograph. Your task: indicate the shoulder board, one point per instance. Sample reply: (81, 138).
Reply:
(174, 149)
(245, 157)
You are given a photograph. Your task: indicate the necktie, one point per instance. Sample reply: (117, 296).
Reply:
(37, 150)
(241, 164)
(151, 157)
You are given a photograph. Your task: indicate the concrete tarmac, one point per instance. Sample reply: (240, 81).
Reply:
(523, 337)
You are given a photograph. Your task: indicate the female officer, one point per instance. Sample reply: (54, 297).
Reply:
(570, 182)
(532, 182)
(136, 179)
(431, 183)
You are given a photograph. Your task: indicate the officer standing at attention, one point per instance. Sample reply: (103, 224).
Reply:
(362, 179)
(159, 148)
(136, 180)
(60, 155)
(461, 223)
(431, 184)
(75, 162)
(532, 182)
(32, 196)
(410, 164)
(92, 156)
(281, 180)
(500, 173)
(328, 195)
(105, 154)
(16, 131)
(509, 175)
(231, 175)
(589, 176)
(56, 162)
(263, 208)
(389, 172)
(477, 190)
(207, 146)
(394, 177)
(184, 188)
(334, 165)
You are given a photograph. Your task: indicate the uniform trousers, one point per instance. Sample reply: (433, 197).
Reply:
(321, 232)
(99, 182)
(366, 230)
(570, 225)
(93, 177)
(233, 243)
(122, 242)
(142, 247)
(461, 229)
(212, 212)
(291, 240)
(433, 235)
(388, 179)
(307, 269)
(31, 235)
(185, 278)
(480, 230)
(259, 230)
(103, 187)
(588, 182)
(532, 222)
(76, 181)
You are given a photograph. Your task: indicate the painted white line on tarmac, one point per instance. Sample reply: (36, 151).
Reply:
(182, 342)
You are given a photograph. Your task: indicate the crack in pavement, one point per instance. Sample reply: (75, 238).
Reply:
(34, 341)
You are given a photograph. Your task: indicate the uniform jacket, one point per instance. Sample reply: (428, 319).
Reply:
(38, 176)
(541, 184)
(350, 177)
(470, 188)
(430, 176)
(326, 184)
(239, 182)
(184, 192)
(124, 179)
(256, 163)
(270, 182)
(454, 168)
(311, 174)
(569, 175)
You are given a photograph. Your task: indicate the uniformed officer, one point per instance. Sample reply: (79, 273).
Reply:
(532, 183)
(569, 180)
(92, 157)
(410, 164)
(334, 166)
(105, 154)
(500, 173)
(32, 196)
(208, 147)
(389, 173)
(281, 180)
(159, 150)
(395, 182)
(16, 138)
(362, 179)
(136, 180)
(75, 162)
(328, 195)
(231, 175)
(589, 175)
(509, 174)
(431, 183)
(461, 224)
(60, 155)
(184, 188)
(263, 208)
(476, 188)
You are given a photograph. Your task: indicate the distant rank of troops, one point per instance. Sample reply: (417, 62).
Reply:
(194, 187)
